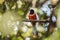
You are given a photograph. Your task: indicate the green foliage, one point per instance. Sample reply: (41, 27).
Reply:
(16, 16)
(43, 16)
(54, 36)
(1, 8)
(20, 13)
(16, 38)
(57, 9)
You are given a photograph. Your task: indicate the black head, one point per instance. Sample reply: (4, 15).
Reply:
(31, 11)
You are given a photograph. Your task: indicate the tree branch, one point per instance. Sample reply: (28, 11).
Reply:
(40, 21)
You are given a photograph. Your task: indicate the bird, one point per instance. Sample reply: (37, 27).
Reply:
(33, 16)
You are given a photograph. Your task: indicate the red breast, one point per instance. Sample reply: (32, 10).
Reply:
(32, 16)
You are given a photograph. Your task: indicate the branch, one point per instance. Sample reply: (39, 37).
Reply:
(40, 21)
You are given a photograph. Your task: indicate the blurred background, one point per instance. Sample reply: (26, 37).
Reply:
(14, 23)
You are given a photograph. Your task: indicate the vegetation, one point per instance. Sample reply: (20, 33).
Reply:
(12, 26)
